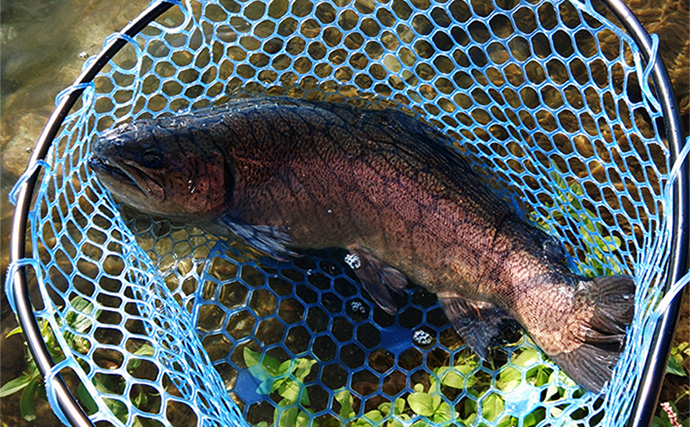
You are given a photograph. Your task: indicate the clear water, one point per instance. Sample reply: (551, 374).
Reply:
(43, 45)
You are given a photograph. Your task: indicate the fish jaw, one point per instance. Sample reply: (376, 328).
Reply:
(175, 173)
(126, 178)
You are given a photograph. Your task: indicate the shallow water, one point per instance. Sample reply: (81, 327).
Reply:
(44, 45)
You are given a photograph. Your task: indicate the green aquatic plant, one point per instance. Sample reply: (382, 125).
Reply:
(526, 374)
(30, 383)
(566, 207)
(678, 354)
(79, 321)
(287, 380)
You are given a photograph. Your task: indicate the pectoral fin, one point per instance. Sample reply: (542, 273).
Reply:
(270, 240)
(376, 278)
(478, 323)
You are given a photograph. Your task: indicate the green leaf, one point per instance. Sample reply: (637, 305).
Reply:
(433, 386)
(421, 403)
(289, 390)
(492, 406)
(17, 384)
(543, 376)
(527, 358)
(443, 411)
(260, 373)
(374, 415)
(251, 357)
(266, 385)
(304, 399)
(302, 419)
(674, 367)
(566, 380)
(86, 399)
(15, 331)
(344, 398)
(81, 323)
(118, 408)
(79, 318)
(509, 379)
(81, 304)
(556, 412)
(507, 422)
(288, 417)
(282, 368)
(399, 406)
(450, 377)
(302, 368)
(553, 389)
(139, 401)
(577, 189)
(467, 367)
(147, 350)
(274, 367)
(470, 421)
(27, 401)
(384, 408)
(534, 418)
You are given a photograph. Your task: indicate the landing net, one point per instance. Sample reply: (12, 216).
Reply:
(163, 324)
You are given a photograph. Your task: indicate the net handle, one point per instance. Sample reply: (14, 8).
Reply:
(70, 410)
(648, 393)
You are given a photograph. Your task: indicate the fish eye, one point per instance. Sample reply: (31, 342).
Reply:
(151, 158)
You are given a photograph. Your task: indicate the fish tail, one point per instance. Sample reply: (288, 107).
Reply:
(591, 364)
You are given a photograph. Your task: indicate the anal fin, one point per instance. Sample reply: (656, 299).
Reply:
(480, 324)
(376, 278)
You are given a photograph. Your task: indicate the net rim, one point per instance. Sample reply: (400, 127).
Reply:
(648, 393)
(71, 411)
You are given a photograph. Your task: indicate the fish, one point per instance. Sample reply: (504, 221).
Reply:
(286, 174)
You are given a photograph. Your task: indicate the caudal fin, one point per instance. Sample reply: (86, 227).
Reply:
(591, 364)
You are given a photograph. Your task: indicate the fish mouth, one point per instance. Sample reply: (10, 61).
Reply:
(129, 175)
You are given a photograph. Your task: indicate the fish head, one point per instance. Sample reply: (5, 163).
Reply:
(163, 168)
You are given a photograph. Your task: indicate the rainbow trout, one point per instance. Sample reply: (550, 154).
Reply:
(285, 174)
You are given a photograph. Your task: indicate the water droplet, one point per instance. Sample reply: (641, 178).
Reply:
(422, 337)
(353, 261)
(358, 307)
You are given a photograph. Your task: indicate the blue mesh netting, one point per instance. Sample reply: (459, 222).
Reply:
(167, 325)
